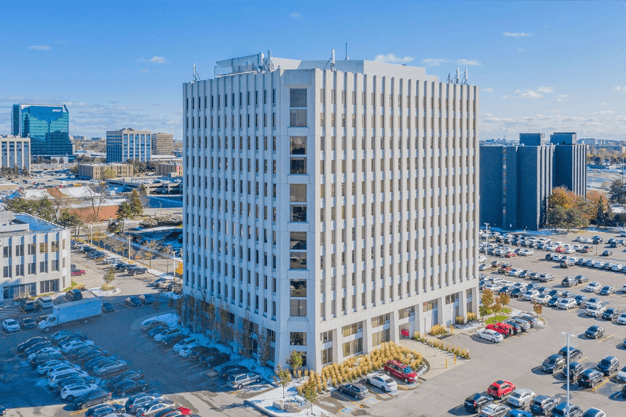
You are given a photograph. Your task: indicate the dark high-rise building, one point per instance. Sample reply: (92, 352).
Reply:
(516, 181)
(570, 159)
(46, 125)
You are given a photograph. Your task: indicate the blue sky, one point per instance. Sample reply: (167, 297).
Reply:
(541, 66)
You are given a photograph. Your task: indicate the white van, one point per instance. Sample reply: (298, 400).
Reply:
(45, 302)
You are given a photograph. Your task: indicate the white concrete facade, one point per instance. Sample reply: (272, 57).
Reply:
(126, 144)
(331, 204)
(15, 152)
(35, 256)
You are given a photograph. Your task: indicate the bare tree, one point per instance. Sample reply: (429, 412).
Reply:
(168, 251)
(151, 248)
(264, 349)
(97, 195)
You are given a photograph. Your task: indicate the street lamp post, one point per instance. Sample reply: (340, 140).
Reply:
(128, 248)
(568, 369)
(487, 231)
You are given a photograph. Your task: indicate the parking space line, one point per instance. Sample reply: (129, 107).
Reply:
(606, 338)
(345, 398)
(598, 386)
(346, 411)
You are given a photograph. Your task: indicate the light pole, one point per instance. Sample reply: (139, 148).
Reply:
(487, 231)
(128, 248)
(567, 367)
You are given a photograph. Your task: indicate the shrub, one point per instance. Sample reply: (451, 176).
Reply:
(471, 317)
(460, 320)
(80, 287)
(437, 330)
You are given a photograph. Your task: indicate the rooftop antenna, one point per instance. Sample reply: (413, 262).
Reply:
(196, 77)
(331, 62)
(347, 58)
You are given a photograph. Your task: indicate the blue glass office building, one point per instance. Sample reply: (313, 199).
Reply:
(46, 125)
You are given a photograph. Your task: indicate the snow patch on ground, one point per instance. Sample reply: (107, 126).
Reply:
(171, 319)
(99, 293)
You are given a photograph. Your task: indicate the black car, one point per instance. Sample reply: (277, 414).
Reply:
(97, 361)
(37, 347)
(212, 361)
(475, 402)
(103, 410)
(137, 271)
(73, 295)
(28, 323)
(531, 320)
(107, 307)
(89, 355)
(123, 377)
(569, 282)
(561, 411)
(575, 370)
(37, 360)
(555, 293)
(608, 365)
(516, 328)
(173, 339)
(594, 332)
(357, 391)
(156, 330)
(91, 398)
(607, 253)
(553, 302)
(28, 306)
(589, 378)
(553, 363)
(580, 299)
(573, 353)
(196, 352)
(518, 292)
(611, 313)
(232, 369)
(28, 343)
(543, 405)
(130, 386)
(133, 302)
(146, 298)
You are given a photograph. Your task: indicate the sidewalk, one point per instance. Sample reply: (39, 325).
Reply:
(435, 357)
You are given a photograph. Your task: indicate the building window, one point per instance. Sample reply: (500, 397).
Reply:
(6, 251)
(297, 338)
(326, 337)
(297, 104)
(381, 337)
(55, 265)
(298, 193)
(297, 308)
(298, 213)
(13, 291)
(32, 268)
(381, 320)
(7, 272)
(297, 288)
(352, 329)
(298, 166)
(49, 286)
(353, 347)
(297, 145)
(429, 305)
(298, 240)
(297, 260)
(43, 247)
(406, 312)
(32, 249)
(19, 270)
(43, 267)
(327, 356)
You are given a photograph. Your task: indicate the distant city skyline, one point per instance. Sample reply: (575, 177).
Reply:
(540, 66)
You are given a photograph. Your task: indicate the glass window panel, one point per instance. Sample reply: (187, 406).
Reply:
(297, 97)
(298, 193)
(298, 288)
(298, 260)
(298, 166)
(298, 240)
(297, 118)
(298, 145)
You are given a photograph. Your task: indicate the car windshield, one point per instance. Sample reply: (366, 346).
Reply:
(516, 395)
(605, 362)
(408, 370)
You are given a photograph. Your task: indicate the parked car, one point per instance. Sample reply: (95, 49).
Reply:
(146, 298)
(607, 253)
(91, 398)
(490, 335)
(189, 341)
(611, 313)
(575, 369)
(78, 272)
(521, 397)
(164, 333)
(543, 405)
(10, 325)
(595, 310)
(103, 410)
(382, 382)
(28, 306)
(130, 386)
(229, 370)
(569, 282)
(73, 295)
(155, 406)
(607, 290)
(70, 392)
(494, 410)
(621, 319)
(574, 353)
(475, 402)
(357, 391)
(566, 303)
(562, 410)
(589, 378)
(109, 368)
(609, 365)
(553, 363)
(401, 371)
(594, 412)
(28, 323)
(133, 302)
(500, 389)
(581, 279)
(594, 332)
(139, 400)
(238, 381)
(124, 377)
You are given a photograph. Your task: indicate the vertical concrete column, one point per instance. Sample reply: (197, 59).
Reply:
(441, 319)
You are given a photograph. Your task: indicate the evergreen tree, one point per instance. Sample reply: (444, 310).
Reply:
(602, 214)
(136, 206)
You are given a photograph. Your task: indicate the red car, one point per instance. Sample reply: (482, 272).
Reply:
(500, 389)
(401, 371)
(78, 272)
(510, 255)
(560, 249)
(502, 328)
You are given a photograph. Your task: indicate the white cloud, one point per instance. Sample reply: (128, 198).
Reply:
(488, 90)
(295, 15)
(157, 60)
(517, 34)
(605, 112)
(528, 94)
(143, 70)
(434, 62)
(39, 47)
(391, 58)
(467, 62)
(619, 88)
(545, 90)
(521, 50)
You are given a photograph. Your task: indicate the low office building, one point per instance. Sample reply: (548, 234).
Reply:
(516, 181)
(170, 170)
(126, 144)
(97, 171)
(15, 153)
(162, 143)
(35, 256)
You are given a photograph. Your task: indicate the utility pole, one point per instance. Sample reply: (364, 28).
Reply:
(487, 231)
(128, 248)
(568, 370)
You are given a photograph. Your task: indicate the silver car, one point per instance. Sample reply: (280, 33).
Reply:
(110, 368)
(239, 380)
(521, 397)
(154, 407)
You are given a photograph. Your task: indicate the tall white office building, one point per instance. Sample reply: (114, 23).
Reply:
(332, 204)
(125, 144)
